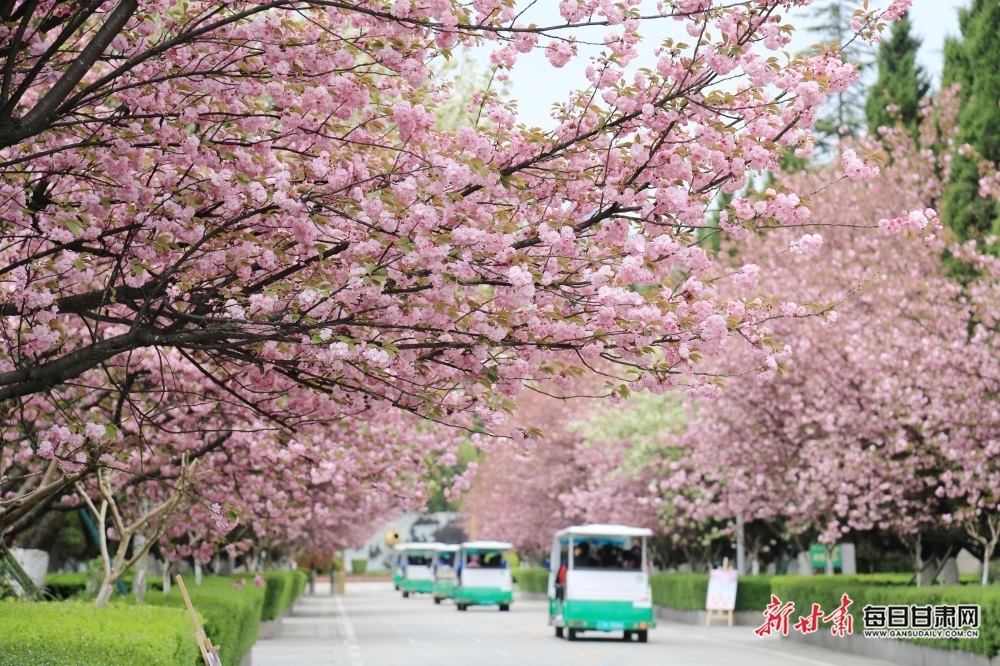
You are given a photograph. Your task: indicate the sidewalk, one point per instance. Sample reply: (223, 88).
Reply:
(317, 633)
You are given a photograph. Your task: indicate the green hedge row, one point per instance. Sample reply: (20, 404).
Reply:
(65, 586)
(70, 633)
(804, 591)
(531, 579)
(681, 591)
(70, 585)
(283, 588)
(230, 617)
(688, 591)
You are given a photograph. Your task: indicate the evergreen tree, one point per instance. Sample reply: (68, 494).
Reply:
(901, 81)
(974, 62)
(844, 113)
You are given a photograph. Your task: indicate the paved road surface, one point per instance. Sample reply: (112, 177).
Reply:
(373, 626)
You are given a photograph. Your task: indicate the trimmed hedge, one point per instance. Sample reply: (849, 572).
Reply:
(359, 565)
(230, 617)
(65, 586)
(283, 588)
(681, 591)
(74, 585)
(69, 633)
(533, 579)
(689, 591)
(807, 590)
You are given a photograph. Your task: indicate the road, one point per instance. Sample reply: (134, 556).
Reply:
(373, 626)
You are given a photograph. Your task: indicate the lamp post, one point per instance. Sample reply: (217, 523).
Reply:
(741, 556)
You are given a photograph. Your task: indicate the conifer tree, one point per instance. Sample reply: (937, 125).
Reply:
(843, 114)
(974, 62)
(901, 82)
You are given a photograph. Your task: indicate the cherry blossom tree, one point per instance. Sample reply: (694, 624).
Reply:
(318, 486)
(110, 521)
(884, 418)
(584, 469)
(260, 189)
(234, 234)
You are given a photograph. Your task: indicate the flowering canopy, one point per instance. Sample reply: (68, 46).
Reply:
(257, 193)
(886, 420)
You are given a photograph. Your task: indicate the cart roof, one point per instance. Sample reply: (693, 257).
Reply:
(446, 547)
(418, 545)
(605, 530)
(497, 545)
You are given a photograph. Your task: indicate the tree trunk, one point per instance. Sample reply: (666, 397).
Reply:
(918, 561)
(804, 564)
(139, 585)
(197, 572)
(949, 573)
(104, 595)
(166, 577)
(988, 549)
(829, 559)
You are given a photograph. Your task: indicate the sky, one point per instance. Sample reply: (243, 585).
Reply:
(536, 85)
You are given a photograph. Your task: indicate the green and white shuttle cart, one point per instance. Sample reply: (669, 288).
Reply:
(443, 567)
(416, 576)
(483, 575)
(599, 581)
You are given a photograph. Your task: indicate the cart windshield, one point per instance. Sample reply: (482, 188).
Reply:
(618, 553)
(484, 558)
(419, 557)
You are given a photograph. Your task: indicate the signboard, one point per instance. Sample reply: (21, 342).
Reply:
(721, 589)
(817, 556)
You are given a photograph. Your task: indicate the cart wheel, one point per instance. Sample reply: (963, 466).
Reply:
(462, 607)
(505, 607)
(437, 600)
(405, 594)
(643, 635)
(627, 636)
(572, 635)
(559, 632)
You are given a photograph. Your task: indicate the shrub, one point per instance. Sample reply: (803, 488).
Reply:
(534, 579)
(282, 589)
(65, 586)
(689, 591)
(805, 591)
(71, 633)
(230, 617)
(74, 585)
(359, 566)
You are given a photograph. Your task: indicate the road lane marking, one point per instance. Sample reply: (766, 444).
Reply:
(585, 652)
(350, 638)
(536, 634)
